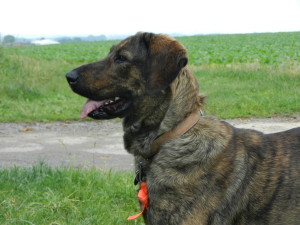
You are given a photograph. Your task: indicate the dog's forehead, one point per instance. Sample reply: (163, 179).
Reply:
(122, 44)
(117, 47)
(130, 46)
(129, 43)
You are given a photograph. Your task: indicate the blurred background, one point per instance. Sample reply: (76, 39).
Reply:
(244, 53)
(104, 19)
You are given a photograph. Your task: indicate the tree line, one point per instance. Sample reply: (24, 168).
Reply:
(10, 39)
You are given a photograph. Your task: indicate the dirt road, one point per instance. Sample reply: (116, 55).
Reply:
(88, 143)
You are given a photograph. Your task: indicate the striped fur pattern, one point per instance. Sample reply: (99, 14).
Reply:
(214, 174)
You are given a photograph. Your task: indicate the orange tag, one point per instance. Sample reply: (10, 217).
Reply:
(143, 197)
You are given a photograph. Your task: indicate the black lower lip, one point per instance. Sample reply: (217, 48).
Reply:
(103, 113)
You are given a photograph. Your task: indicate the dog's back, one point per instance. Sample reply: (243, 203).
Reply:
(273, 190)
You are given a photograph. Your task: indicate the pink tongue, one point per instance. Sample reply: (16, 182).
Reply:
(89, 106)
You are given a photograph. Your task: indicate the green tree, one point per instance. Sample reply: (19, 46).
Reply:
(8, 39)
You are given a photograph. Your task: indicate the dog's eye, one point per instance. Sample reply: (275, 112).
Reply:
(120, 59)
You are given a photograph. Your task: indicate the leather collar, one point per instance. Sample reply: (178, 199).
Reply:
(179, 130)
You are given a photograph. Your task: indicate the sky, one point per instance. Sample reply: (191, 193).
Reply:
(44, 18)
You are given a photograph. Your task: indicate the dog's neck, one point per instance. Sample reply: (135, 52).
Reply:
(185, 98)
(163, 113)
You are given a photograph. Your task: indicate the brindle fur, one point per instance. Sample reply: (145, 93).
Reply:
(214, 173)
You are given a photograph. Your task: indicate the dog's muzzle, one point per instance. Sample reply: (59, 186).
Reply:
(107, 107)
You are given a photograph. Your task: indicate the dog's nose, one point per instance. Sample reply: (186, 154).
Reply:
(72, 77)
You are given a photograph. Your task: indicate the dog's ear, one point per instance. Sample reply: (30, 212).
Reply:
(166, 58)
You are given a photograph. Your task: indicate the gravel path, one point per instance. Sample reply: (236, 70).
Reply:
(88, 143)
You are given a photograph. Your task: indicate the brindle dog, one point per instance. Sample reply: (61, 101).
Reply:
(210, 173)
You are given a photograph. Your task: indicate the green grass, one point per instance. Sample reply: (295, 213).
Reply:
(43, 195)
(36, 90)
(250, 90)
(245, 75)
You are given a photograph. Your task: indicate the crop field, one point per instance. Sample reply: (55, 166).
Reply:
(243, 75)
(266, 49)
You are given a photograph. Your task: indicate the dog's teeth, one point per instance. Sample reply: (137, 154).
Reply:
(110, 101)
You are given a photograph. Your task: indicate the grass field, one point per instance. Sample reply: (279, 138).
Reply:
(245, 75)
(66, 196)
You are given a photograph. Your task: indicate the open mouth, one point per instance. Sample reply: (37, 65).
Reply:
(106, 109)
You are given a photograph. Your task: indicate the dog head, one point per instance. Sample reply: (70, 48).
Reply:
(143, 64)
